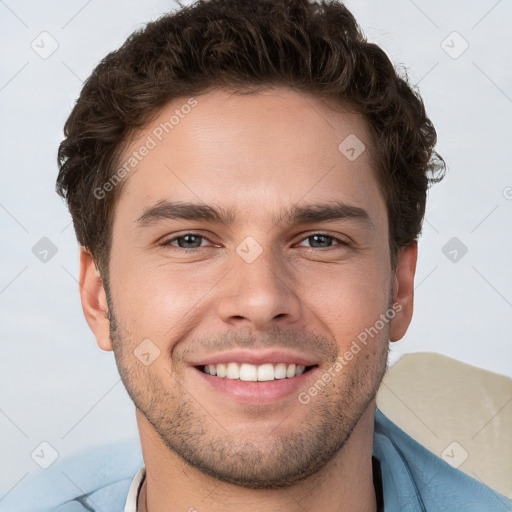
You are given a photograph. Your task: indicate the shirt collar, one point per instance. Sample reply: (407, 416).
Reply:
(133, 493)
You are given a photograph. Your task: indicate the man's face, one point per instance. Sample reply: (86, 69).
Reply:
(261, 286)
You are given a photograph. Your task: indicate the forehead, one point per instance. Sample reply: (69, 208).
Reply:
(257, 152)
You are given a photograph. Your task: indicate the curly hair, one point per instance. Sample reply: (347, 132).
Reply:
(312, 47)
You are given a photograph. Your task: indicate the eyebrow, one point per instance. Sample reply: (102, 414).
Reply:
(307, 214)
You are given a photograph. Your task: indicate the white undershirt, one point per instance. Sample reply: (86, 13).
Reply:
(133, 493)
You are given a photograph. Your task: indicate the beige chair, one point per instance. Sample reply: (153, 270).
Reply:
(460, 412)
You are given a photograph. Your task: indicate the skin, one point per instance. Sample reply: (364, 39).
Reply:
(259, 154)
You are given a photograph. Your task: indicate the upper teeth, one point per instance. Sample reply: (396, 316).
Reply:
(251, 372)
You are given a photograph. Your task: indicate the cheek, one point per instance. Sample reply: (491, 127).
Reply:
(158, 302)
(347, 300)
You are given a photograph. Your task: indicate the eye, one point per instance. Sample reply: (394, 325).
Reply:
(190, 241)
(321, 240)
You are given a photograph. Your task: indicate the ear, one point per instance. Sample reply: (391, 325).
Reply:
(403, 291)
(94, 300)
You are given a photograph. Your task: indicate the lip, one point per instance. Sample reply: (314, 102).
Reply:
(257, 358)
(257, 393)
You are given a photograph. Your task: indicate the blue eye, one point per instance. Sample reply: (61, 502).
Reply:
(319, 236)
(190, 238)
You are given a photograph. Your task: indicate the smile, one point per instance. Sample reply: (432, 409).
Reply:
(255, 373)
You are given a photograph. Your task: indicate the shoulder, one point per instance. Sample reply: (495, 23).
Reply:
(425, 478)
(98, 478)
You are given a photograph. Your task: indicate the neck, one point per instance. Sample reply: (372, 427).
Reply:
(344, 484)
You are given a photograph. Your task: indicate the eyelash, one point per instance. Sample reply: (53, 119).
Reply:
(168, 242)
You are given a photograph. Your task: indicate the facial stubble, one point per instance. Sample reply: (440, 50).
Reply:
(191, 429)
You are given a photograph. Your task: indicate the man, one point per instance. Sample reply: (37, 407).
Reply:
(247, 181)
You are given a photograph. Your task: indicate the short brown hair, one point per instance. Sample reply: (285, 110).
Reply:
(313, 47)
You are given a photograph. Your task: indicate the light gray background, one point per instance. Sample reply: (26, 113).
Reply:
(58, 386)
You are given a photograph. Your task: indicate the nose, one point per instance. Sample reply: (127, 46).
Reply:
(258, 293)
